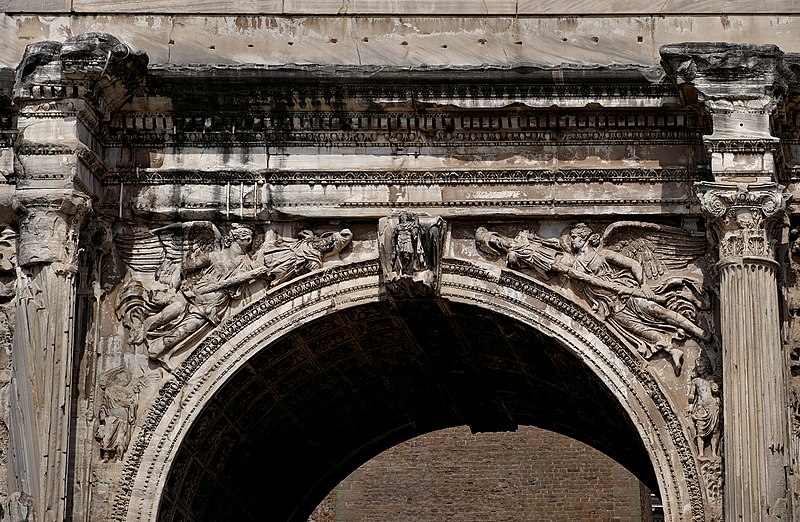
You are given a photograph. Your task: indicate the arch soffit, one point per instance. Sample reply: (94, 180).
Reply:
(181, 399)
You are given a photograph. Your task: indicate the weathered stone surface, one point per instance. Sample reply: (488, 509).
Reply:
(295, 241)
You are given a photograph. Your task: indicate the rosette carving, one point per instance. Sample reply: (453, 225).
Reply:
(744, 216)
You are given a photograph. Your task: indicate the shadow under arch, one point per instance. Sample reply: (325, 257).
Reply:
(323, 375)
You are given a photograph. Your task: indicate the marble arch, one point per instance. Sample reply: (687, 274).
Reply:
(257, 327)
(165, 180)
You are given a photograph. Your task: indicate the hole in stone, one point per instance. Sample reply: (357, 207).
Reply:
(333, 40)
(482, 41)
(365, 39)
(639, 39)
(290, 43)
(403, 43)
(595, 39)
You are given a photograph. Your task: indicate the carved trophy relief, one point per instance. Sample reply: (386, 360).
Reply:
(186, 275)
(627, 275)
(411, 249)
(8, 265)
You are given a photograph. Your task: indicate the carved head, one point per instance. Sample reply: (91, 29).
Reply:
(406, 217)
(703, 366)
(331, 243)
(581, 234)
(241, 234)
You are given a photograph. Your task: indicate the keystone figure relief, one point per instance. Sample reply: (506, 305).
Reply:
(411, 249)
(198, 272)
(623, 276)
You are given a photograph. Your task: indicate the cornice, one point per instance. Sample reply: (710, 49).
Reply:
(96, 67)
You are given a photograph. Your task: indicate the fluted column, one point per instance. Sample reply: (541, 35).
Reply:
(756, 431)
(739, 86)
(64, 93)
(43, 347)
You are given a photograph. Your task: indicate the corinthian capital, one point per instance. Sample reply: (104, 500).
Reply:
(49, 224)
(744, 216)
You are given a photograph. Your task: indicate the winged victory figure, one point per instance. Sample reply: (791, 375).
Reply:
(624, 275)
(190, 273)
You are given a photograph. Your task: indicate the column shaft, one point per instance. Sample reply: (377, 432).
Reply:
(754, 399)
(43, 347)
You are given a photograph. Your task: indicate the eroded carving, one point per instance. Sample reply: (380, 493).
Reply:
(705, 407)
(7, 293)
(95, 65)
(624, 276)
(116, 413)
(745, 216)
(411, 249)
(196, 272)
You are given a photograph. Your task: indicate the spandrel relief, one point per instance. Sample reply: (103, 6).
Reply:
(185, 276)
(629, 275)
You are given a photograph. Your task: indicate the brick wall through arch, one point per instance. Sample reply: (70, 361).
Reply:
(454, 475)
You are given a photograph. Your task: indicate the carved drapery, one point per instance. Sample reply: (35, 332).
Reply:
(746, 219)
(627, 276)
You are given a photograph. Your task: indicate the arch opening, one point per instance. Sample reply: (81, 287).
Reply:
(456, 475)
(314, 405)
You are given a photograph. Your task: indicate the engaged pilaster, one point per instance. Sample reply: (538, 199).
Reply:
(64, 93)
(739, 86)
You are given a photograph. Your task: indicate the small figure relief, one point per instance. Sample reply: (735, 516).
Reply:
(705, 407)
(116, 414)
(195, 273)
(623, 275)
(411, 249)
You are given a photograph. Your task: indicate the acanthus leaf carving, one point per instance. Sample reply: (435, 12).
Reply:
(744, 216)
(624, 275)
(189, 274)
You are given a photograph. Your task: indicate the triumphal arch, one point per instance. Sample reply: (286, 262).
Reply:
(242, 255)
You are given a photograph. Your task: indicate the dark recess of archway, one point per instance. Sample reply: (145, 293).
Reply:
(315, 405)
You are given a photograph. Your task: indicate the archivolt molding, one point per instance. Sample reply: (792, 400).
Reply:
(181, 399)
(520, 307)
(290, 306)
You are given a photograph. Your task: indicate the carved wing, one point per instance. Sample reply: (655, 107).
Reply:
(142, 252)
(180, 242)
(657, 248)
